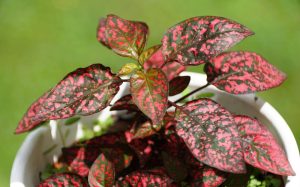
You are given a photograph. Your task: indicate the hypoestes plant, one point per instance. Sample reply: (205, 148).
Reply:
(166, 143)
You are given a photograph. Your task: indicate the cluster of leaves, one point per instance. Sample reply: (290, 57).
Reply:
(198, 143)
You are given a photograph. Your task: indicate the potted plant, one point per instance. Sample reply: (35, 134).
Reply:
(168, 137)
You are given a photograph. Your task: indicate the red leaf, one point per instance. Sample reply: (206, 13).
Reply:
(171, 69)
(150, 93)
(82, 92)
(125, 103)
(80, 159)
(64, 179)
(124, 37)
(196, 40)
(242, 72)
(207, 177)
(210, 133)
(178, 84)
(29, 120)
(261, 148)
(145, 178)
(102, 173)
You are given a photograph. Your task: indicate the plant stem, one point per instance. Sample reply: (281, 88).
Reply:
(192, 92)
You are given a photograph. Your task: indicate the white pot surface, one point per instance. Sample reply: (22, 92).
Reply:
(31, 160)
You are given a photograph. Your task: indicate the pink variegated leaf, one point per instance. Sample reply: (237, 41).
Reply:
(171, 69)
(145, 178)
(148, 53)
(210, 133)
(261, 148)
(101, 33)
(207, 177)
(84, 91)
(29, 120)
(243, 72)
(150, 93)
(178, 84)
(124, 37)
(102, 173)
(197, 40)
(64, 179)
(125, 103)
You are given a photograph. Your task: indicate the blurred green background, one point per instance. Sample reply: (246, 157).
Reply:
(41, 41)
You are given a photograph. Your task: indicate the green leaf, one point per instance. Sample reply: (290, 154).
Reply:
(148, 53)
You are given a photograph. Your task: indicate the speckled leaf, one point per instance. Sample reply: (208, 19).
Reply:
(125, 103)
(261, 148)
(210, 133)
(207, 177)
(82, 92)
(148, 53)
(124, 37)
(102, 173)
(101, 32)
(64, 179)
(175, 168)
(150, 93)
(128, 69)
(146, 129)
(196, 40)
(143, 149)
(243, 72)
(29, 120)
(146, 178)
(80, 158)
(178, 84)
(171, 69)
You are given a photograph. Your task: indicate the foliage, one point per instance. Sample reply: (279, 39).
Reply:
(203, 139)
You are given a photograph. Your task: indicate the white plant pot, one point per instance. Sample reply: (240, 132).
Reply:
(31, 160)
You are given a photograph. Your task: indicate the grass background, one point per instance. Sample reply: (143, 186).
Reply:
(41, 41)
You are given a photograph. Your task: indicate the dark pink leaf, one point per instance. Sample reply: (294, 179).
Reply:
(210, 133)
(64, 179)
(80, 159)
(171, 69)
(29, 120)
(150, 93)
(125, 103)
(124, 37)
(102, 173)
(243, 72)
(145, 178)
(207, 177)
(82, 92)
(196, 40)
(178, 84)
(261, 148)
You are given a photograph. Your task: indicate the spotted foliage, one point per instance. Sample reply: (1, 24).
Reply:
(243, 72)
(150, 93)
(82, 92)
(145, 178)
(261, 148)
(128, 69)
(210, 133)
(207, 177)
(124, 37)
(148, 53)
(143, 149)
(64, 179)
(196, 40)
(171, 69)
(146, 129)
(102, 173)
(178, 84)
(125, 103)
